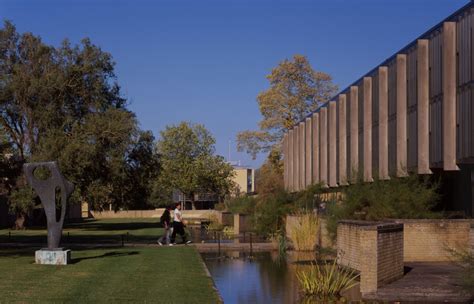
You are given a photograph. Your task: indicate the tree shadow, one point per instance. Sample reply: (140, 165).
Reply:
(105, 255)
(95, 225)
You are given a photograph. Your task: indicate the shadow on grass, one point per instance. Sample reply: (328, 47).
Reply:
(105, 255)
(95, 225)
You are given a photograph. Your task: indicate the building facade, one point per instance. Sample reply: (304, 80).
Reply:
(244, 179)
(414, 113)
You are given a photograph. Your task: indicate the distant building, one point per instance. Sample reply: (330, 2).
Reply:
(245, 179)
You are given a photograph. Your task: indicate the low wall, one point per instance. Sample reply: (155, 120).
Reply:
(225, 218)
(242, 223)
(373, 248)
(125, 214)
(189, 215)
(427, 240)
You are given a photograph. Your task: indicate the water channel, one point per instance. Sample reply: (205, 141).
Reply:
(256, 277)
(260, 277)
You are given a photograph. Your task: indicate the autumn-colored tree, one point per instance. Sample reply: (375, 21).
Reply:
(295, 91)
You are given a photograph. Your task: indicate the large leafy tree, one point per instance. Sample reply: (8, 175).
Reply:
(189, 164)
(63, 103)
(296, 90)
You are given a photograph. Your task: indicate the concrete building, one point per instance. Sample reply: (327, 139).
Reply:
(244, 179)
(414, 113)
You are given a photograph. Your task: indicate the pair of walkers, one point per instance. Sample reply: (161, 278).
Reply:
(177, 227)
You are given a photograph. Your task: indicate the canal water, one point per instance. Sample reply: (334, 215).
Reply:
(262, 277)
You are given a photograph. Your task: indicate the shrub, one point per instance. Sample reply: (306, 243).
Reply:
(407, 197)
(214, 224)
(242, 204)
(271, 211)
(308, 199)
(326, 280)
(304, 232)
(465, 259)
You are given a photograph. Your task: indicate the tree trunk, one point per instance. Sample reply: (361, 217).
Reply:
(20, 221)
(193, 206)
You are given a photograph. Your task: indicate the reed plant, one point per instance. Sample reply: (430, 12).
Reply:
(213, 224)
(325, 280)
(305, 231)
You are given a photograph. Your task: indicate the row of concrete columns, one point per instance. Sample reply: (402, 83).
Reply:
(315, 150)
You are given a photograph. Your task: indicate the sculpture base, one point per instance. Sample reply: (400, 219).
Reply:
(57, 256)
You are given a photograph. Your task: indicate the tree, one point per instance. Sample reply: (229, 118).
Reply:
(295, 91)
(189, 164)
(64, 103)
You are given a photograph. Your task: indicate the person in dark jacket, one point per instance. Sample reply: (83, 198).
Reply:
(165, 220)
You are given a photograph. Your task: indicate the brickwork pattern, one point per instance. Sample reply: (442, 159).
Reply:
(375, 249)
(427, 240)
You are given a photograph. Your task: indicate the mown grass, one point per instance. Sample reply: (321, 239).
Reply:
(134, 275)
(103, 231)
(111, 274)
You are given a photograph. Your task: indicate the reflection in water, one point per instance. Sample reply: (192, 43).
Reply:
(262, 278)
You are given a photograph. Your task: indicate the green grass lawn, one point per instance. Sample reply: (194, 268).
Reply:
(104, 231)
(105, 275)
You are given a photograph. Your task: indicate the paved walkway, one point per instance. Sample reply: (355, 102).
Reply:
(427, 283)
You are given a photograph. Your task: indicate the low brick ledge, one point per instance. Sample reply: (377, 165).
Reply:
(381, 226)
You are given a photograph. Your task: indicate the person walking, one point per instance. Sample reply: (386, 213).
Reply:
(165, 220)
(178, 226)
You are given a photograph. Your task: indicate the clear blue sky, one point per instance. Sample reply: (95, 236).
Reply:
(206, 61)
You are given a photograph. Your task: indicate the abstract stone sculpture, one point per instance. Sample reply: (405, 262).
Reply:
(46, 190)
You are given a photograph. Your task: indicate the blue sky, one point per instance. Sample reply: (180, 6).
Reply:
(206, 61)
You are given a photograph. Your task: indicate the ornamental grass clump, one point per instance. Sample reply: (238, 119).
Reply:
(325, 281)
(304, 232)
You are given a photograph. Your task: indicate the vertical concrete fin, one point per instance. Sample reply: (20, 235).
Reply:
(302, 158)
(323, 147)
(449, 96)
(315, 124)
(296, 163)
(285, 160)
(423, 103)
(383, 122)
(354, 128)
(332, 145)
(308, 152)
(401, 115)
(342, 140)
(291, 158)
(367, 129)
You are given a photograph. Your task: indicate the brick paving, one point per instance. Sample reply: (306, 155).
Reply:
(427, 282)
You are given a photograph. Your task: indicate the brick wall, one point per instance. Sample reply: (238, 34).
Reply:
(471, 237)
(427, 240)
(373, 248)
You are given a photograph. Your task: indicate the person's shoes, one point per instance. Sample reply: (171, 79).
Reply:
(160, 243)
(188, 242)
(171, 244)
